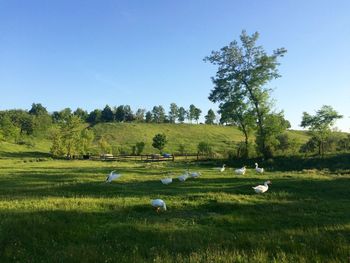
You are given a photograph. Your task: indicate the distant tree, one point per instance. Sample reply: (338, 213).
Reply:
(159, 141)
(320, 124)
(286, 143)
(64, 115)
(140, 115)
(148, 117)
(210, 117)
(107, 114)
(181, 114)
(23, 120)
(87, 137)
(38, 109)
(243, 71)
(8, 130)
(158, 113)
(191, 113)
(94, 117)
(344, 144)
(82, 114)
(57, 148)
(197, 114)
(275, 124)
(71, 135)
(119, 113)
(310, 146)
(128, 114)
(173, 113)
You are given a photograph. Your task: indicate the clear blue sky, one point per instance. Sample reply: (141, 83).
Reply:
(84, 53)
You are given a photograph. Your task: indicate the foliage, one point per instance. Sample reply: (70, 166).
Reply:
(104, 146)
(173, 112)
(204, 148)
(159, 141)
(82, 114)
(320, 124)
(158, 114)
(8, 130)
(181, 114)
(140, 146)
(38, 109)
(140, 115)
(94, 117)
(148, 117)
(107, 114)
(243, 70)
(210, 117)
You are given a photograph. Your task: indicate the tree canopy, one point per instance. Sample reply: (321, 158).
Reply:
(243, 71)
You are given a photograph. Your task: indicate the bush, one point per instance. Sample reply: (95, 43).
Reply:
(140, 146)
(205, 148)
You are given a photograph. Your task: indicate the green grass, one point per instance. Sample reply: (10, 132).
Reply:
(62, 211)
(122, 136)
(221, 138)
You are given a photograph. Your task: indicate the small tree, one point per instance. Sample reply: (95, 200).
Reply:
(320, 124)
(204, 148)
(140, 146)
(197, 114)
(159, 141)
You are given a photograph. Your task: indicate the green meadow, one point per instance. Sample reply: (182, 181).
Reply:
(63, 211)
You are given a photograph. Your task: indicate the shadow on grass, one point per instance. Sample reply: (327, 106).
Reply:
(137, 234)
(28, 154)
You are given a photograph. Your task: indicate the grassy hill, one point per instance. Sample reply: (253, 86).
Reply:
(122, 136)
(221, 138)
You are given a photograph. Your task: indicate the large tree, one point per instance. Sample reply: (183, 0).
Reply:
(320, 124)
(243, 71)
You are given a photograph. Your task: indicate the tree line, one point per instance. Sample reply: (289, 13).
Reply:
(124, 113)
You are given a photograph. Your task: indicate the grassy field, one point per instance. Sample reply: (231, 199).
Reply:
(221, 138)
(62, 211)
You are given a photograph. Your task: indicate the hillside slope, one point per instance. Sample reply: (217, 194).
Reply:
(122, 136)
(221, 138)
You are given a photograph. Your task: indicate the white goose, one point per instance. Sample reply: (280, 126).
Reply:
(158, 204)
(112, 176)
(258, 170)
(195, 174)
(262, 188)
(183, 177)
(240, 171)
(167, 180)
